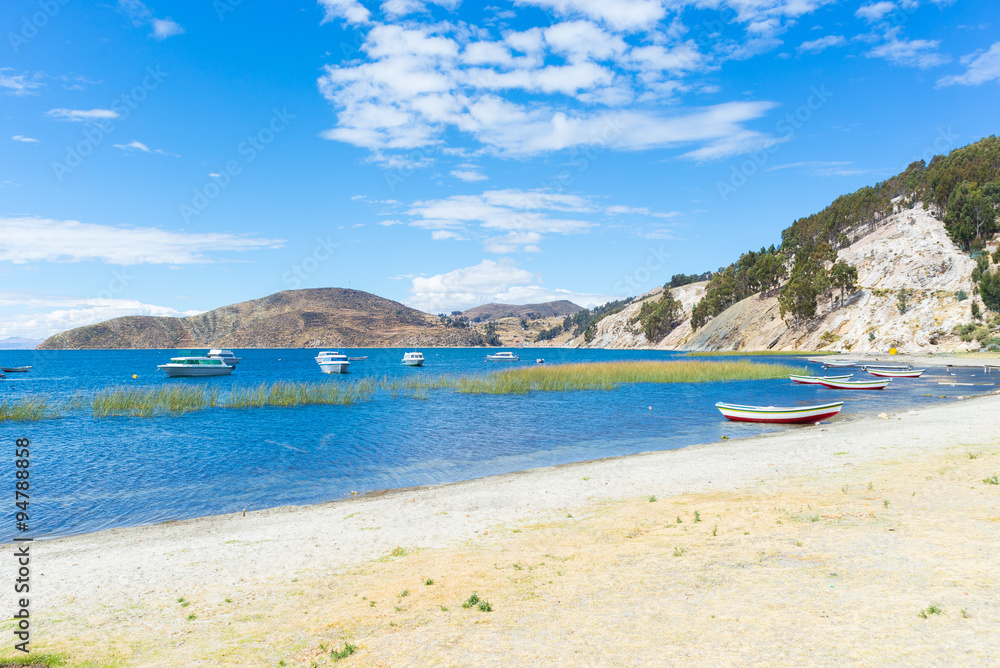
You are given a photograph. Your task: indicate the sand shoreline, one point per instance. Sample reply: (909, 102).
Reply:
(148, 567)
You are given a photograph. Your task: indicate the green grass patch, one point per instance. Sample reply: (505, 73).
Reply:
(26, 409)
(741, 353)
(348, 650)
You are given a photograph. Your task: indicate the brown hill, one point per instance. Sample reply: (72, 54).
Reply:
(556, 309)
(311, 318)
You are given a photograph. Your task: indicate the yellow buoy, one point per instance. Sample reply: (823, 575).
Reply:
(892, 351)
(134, 376)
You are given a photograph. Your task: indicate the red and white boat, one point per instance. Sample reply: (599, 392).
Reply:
(780, 414)
(814, 380)
(896, 373)
(855, 384)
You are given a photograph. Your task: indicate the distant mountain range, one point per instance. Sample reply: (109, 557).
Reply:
(314, 318)
(558, 309)
(18, 343)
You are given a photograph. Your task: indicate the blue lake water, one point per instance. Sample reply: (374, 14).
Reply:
(89, 474)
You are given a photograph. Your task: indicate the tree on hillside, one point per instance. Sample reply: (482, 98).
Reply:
(989, 290)
(660, 317)
(809, 280)
(845, 277)
(970, 215)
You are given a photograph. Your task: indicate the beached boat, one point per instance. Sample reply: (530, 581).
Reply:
(888, 367)
(855, 384)
(226, 356)
(414, 358)
(331, 361)
(896, 373)
(780, 414)
(503, 357)
(839, 364)
(814, 380)
(15, 369)
(195, 366)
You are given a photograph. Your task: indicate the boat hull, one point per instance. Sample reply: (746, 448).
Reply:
(882, 373)
(855, 384)
(814, 380)
(334, 367)
(176, 372)
(15, 369)
(780, 414)
(413, 362)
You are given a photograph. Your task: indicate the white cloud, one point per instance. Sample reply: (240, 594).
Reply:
(26, 140)
(818, 45)
(352, 11)
(920, 53)
(489, 281)
(134, 145)
(39, 317)
(142, 15)
(164, 28)
(982, 67)
(513, 242)
(822, 168)
(17, 84)
(43, 239)
(419, 85)
(620, 14)
(874, 11)
(468, 173)
(81, 115)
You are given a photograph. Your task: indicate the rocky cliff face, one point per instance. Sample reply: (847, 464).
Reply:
(290, 319)
(909, 252)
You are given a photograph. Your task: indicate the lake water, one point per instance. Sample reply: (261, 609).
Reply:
(89, 474)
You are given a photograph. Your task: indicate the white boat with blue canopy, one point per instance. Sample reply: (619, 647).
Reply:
(331, 361)
(503, 357)
(195, 366)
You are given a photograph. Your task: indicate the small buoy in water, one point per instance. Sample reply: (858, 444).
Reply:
(650, 408)
(134, 376)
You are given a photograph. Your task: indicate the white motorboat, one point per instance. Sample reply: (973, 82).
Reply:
(503, 357)
(331, 361)
(226, 356)
(414, 358)
(196, 366)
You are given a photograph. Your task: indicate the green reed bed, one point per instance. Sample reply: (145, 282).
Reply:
(608, 375)
(25, 410)
(742, 353)
(177, 399)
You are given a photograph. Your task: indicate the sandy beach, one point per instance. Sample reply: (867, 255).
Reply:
(867, 542)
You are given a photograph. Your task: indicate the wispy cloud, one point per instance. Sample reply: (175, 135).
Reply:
(822, 168)
(351, 11)
(468, 173)
(821, 44)
(141, 15)
(922, 53)
(81, 115)
(18, 84)
(26, 140)
(44, 239)
(874, 11)
(982, 66)
(139, 146)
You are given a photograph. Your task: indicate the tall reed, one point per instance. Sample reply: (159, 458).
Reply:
(25, 410)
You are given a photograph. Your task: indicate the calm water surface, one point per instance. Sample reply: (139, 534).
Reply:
(90, 474)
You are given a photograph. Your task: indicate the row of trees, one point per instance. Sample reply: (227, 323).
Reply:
(659, 318)
(754, 272)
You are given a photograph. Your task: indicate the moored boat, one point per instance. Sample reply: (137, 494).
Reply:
(814, 380)
(894, 373)
(357, 359)
(855, 384)
(226, 356)
(503, 357)
(15, 369)
(780, 414)
(331, 361)
(839, 364)
(415, 358)
(195, 366)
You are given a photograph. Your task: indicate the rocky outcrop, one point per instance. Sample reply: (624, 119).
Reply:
(290, 319)
(910, 274)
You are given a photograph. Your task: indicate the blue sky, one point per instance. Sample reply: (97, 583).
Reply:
(168, 158)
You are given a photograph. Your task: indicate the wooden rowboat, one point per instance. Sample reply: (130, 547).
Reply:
(814, 380)
(839, 364)
(779, 414)
(855, 384)
(15, 369)
(893, 373)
